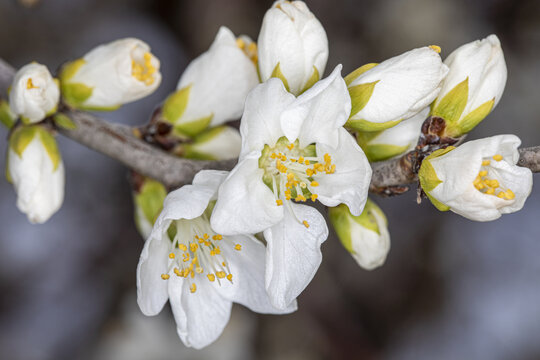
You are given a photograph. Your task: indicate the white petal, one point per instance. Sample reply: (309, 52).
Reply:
(248, 269)
(260, 122)
(370, 249)
(350, 183)
(316, 115)
(220, 80)
(200, 316)
(220, 143)
(293, 254)
(151, 289)
(245, 204)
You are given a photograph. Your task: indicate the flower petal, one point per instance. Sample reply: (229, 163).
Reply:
(248, 268)
(200, 316)
(293, 254)
(260, 122)
(350, 183)
(316, 114)
(245, 204)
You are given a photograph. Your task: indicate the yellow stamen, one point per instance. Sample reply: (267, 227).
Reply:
(193, 288)
(314, 197)
(486, 162)
(229, 277)
(314, 184)
(279, 202)
(30, 84)
(306, 224)
(171, 256)
(211, 277)
(435, 48)
(221, 274)
(497, 157)
(238, 247)
(182, 247)
(165, 276)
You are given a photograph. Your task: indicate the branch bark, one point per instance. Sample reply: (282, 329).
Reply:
(118, 142)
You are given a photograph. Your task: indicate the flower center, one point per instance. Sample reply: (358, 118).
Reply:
(289, 171)
(488, 186)
(143, 70)
(30, 84)
(249, 48)
(199, 254)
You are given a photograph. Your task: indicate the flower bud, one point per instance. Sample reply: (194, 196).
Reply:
(292, 46)
(389, 143)
(366, 236)
(214, 86)
(384, 94)
(473, 87)
(219, 143)
(111, 75)
(148, 201)
(478, 180)
(36, 170)
(34, 94)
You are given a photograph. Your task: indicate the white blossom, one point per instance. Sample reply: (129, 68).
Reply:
(478, 180)
(292, 149)
(34, 93)
(199, 271)
(36, 171)
(111, 75)
(292, 46)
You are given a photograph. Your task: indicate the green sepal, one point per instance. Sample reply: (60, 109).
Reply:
(315, 76)
(8, 175)
(276, 73)
(190, 150)
(150, 199)
(75, 94)
(470, 121)
(360, 95)
(452, 104)
(63, 121)
(356, 73)
(70, 69)
(23, 135)
(48, 141)
(368, 126)
(428, 177)
(193, 128)
(99, 108)
(381, 152)
(172, 231)
(175, 104)
(6, 116)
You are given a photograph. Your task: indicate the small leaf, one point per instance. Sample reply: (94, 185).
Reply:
(360, 95)
(452, 104)
(63, 121)
(356, 73)
(368, 126)
(472, 119)
(381, 152)
(150, 199)
(278, 74)
(315, 76)
(176, 104)
(193, 128)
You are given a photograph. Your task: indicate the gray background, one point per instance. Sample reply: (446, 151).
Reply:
(451, 288)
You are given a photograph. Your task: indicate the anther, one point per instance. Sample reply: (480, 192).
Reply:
(165, 276)
(171, 256)
(497, 157)
(306, 224)
(193, 288)
(238, 247)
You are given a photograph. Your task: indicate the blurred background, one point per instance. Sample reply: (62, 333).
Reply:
(450, 289)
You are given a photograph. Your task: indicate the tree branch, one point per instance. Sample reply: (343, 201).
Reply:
(118, 142)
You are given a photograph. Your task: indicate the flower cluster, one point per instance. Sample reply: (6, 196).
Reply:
(250, 236)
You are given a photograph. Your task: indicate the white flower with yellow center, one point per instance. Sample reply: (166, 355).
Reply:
(478, 180)
(35, 168)
(199, 271)
(294, 150)
(366, 236)
(214, 86)
(111, 75)
(34, 93)
(292, 46)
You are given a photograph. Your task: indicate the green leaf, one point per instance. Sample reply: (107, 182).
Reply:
(356, 73)
(193, 128)
(6, 116)
(51, 147)
(150, 199)
(360, 95)
(63, 121)
(380, 152)
(176, 104)
(315, 76)
(278, 74)
(452, 104)
(472, 119)
(368, 126)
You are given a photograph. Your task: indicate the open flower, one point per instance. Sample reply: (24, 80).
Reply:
(36, 171)
(389, 143)
(292, 46)
(199, 271)
(474, 85)
(214, 86)
(111, 75)
(478, 180)
(294, 149)
(34, 93)
(366, 236)
(384, 94)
